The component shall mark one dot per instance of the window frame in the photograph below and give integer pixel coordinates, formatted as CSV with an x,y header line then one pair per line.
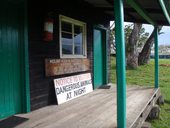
x,y
84,38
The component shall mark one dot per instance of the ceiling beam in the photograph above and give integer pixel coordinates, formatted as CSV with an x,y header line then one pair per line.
x,y
162,4
110,2
150,10
141,11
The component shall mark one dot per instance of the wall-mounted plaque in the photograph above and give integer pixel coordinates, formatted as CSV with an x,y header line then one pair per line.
x,y
66,66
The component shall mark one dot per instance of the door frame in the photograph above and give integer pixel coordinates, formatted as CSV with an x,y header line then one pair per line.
x,y
105,52
25,71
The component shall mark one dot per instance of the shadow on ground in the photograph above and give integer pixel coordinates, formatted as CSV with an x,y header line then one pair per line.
x,y
12,122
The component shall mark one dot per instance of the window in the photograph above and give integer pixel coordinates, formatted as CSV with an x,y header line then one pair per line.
x,y
72,38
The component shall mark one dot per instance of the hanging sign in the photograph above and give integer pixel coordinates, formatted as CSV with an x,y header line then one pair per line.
x,y
68,88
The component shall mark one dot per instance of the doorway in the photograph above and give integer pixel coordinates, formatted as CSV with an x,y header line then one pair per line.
x,y
12,58
100,56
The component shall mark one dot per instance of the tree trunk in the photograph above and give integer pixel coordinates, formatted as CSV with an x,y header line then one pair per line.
x,y
131,47
144,56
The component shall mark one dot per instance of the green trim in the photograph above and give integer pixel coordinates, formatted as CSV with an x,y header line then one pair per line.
x,y
105,34
156,58
106,47
105,53
27,88
162,4
99,27
140,10
120,64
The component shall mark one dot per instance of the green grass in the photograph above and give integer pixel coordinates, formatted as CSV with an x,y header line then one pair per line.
x,y
144,76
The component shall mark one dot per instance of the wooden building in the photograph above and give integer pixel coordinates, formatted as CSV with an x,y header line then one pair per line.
x,y
82,19
44,40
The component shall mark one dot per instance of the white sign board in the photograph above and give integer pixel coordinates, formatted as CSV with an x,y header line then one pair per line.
x,y
68,88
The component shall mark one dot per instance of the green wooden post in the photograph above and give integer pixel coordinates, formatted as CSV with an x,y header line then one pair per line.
x,y
156,58
120,64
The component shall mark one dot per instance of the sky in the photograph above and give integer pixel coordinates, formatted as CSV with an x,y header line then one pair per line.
x,y
163,39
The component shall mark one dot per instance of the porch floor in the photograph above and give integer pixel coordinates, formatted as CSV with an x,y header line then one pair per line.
x,y
93,110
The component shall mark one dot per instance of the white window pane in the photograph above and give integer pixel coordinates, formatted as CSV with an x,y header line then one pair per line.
x,y
78,29
78,40
65,26
67,43
67,49
78,44
73,37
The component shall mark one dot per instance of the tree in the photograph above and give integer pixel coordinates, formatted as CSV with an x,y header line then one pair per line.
x,y
131,46
135,37
144,55
112,37
143,37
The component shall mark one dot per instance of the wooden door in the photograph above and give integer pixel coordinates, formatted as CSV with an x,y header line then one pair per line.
x,y
99,41
10,58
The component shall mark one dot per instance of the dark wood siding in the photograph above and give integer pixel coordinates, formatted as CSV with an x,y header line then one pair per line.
x,y
42,87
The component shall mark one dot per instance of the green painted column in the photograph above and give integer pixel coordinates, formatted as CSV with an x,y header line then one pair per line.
x,y
120,64
156,58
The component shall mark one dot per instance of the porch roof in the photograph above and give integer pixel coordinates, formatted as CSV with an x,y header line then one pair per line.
x,y
155,12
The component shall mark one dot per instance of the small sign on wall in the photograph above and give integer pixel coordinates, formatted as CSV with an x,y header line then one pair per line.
x,y
66,66
69,88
